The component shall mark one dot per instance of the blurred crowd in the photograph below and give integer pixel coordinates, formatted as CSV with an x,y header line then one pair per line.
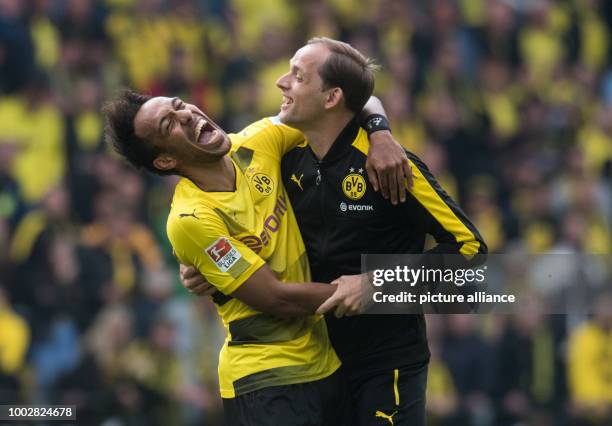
x,y
509,102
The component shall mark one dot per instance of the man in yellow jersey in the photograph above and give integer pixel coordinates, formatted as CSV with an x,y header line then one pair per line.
x,y
232,220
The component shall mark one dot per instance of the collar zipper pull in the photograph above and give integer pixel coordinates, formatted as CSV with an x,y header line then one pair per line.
x,y
318,178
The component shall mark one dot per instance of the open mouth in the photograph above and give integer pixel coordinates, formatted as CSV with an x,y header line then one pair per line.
x,y
286,101
205,133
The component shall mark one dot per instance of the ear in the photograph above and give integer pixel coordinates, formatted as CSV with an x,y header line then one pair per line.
x,y
164,162
334,97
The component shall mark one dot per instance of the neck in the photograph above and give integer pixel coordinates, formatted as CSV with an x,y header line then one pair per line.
x,y
214,176
322,135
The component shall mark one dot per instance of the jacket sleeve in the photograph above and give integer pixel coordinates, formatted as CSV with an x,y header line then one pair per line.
x,y
445,221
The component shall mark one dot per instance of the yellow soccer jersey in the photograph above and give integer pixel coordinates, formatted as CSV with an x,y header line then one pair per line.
x,y
228,236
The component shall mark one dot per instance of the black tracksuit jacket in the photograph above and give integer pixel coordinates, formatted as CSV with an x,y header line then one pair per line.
x,y
341,217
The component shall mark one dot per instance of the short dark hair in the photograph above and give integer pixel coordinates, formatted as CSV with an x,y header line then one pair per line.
x,y
349,70
120,134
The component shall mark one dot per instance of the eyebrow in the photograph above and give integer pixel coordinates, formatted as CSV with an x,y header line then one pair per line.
x,y
159,126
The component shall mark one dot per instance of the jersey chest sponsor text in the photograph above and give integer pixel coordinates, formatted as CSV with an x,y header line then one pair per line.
x,y
271,225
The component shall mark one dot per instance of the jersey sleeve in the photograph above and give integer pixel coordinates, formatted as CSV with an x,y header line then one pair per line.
x,y
205,243
270,136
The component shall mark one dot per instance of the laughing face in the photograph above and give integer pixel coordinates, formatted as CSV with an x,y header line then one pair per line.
x,y
182,132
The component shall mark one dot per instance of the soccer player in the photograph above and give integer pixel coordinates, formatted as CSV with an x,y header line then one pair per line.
x,y
232,220
341,217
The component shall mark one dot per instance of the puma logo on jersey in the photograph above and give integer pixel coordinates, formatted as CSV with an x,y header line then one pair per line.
x,y
298,181
386,416
188,214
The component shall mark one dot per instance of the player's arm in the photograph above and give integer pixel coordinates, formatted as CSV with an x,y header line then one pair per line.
x,y
236,271
264,292
387,164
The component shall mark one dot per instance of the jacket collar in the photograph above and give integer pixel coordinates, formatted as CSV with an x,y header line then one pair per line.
x,y
342,142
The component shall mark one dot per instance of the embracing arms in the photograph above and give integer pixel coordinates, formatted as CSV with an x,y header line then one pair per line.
x,y
264,292
387,164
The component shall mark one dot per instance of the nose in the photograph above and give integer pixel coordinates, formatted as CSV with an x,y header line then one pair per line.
x,y
184,115
282,82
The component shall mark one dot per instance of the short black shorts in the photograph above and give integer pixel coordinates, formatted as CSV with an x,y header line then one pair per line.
x,y
390,397
320,403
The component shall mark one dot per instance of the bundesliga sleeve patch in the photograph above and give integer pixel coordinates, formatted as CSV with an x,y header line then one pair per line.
x,y
223,254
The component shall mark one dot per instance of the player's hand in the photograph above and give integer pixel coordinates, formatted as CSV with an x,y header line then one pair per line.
x,y
194,282
388,166
348,297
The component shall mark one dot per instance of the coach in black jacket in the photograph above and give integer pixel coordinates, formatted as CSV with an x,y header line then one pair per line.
x,y
341,217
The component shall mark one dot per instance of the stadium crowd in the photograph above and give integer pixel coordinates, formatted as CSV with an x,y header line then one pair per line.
x,y
508,102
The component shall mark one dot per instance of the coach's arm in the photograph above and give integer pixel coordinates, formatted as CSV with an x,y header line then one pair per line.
x,y
387,164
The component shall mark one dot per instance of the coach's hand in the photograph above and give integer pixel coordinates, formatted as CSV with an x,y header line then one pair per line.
x,y
388,166
348,297
195,282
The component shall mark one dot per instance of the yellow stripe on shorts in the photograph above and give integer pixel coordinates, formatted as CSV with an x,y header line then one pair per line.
x,y
395,390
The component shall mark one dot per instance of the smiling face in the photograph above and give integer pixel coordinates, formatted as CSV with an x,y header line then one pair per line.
x,y
304,99
182,132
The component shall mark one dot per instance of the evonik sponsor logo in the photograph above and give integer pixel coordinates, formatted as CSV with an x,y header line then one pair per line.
x,y
344,207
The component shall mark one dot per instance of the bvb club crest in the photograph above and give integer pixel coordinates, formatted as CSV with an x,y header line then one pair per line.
x,y
263,183
354,185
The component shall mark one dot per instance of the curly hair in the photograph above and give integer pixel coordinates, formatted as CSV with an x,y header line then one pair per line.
x,y
120,134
